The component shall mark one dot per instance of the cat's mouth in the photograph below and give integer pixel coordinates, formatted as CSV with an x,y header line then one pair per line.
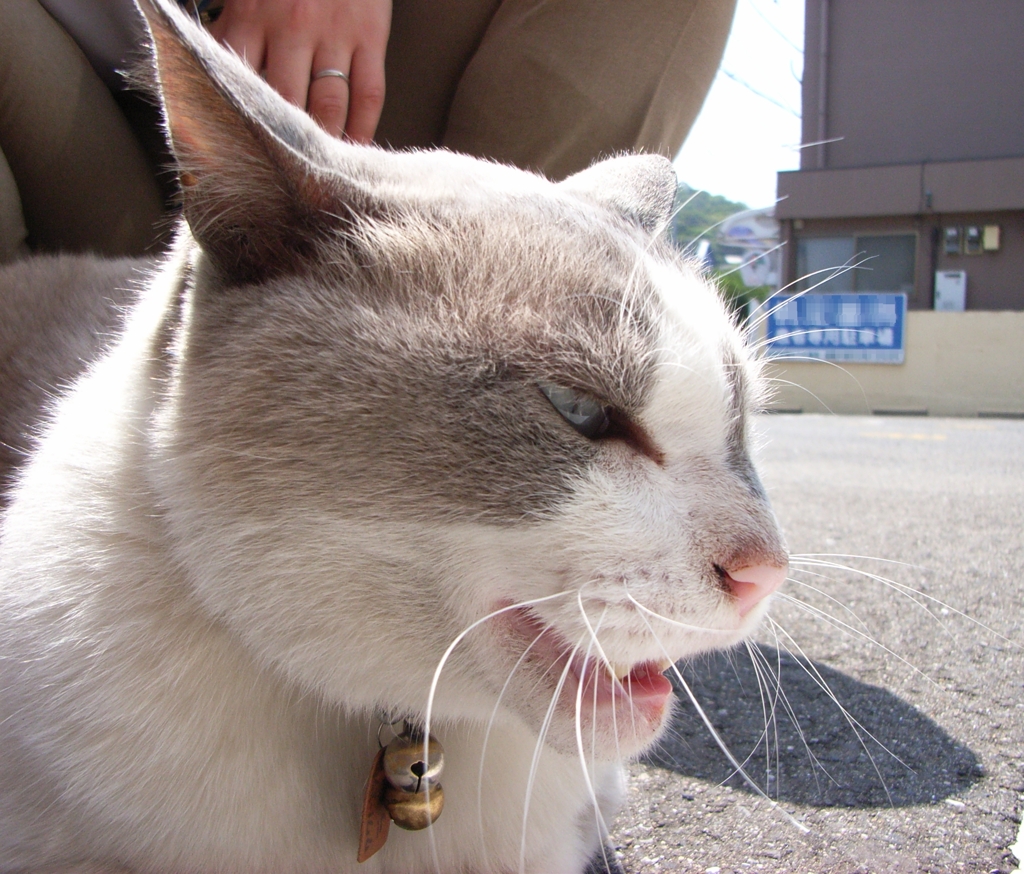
x,y
589,681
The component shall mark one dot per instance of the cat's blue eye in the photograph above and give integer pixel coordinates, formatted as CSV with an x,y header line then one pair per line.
x,y
584,412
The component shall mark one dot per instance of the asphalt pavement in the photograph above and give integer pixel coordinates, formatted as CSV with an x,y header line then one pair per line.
x,y
890,737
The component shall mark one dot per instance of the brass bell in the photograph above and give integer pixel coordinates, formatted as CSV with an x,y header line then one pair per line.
x,y
405,767
413,810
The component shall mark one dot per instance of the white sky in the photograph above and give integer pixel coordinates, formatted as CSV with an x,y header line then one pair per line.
x,y
740,139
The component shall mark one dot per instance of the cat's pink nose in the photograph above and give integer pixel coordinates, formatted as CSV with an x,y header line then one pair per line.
x,y
751,584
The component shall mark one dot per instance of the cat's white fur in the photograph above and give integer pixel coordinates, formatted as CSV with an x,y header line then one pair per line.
x,y
207,594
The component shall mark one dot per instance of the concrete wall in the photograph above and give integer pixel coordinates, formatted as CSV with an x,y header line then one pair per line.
x,y
902,189
957,364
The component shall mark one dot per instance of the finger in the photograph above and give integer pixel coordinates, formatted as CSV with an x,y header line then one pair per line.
x,y
287,69
329,97
244,39
366,99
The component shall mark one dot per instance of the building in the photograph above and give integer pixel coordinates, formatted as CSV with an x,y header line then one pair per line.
x,y
914,179
753,238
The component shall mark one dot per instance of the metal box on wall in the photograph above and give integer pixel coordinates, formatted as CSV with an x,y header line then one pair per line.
x,y
951,290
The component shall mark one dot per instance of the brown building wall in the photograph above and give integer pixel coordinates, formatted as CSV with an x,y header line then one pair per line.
x,y
926,101
903,189
995,280
921,297
911,81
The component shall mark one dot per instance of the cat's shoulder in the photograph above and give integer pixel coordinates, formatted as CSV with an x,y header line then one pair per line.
x,y
58,313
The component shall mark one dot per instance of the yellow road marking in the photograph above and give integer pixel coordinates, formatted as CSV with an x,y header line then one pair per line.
x,y
897,435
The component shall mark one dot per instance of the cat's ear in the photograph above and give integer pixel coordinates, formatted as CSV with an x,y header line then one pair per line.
x,y
640,187
256,190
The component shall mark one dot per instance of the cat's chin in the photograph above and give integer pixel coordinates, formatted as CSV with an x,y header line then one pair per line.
x,y
614,711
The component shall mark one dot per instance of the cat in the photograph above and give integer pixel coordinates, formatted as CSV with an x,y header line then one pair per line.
x,y
385,436
69,310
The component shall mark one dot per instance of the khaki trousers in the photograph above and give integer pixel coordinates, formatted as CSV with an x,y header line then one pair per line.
x,y
549,85
73,175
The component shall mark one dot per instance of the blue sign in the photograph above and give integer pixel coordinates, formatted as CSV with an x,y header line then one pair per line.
x,y
837,327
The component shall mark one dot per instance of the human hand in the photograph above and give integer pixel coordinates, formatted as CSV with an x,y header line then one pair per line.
x,y
289,41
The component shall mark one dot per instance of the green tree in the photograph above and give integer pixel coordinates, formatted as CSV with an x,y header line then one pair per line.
x,y
697,217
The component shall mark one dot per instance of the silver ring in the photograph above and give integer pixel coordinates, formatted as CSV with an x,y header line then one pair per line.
x,y
328,72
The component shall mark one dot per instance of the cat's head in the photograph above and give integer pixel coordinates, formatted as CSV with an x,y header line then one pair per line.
x,y
412,390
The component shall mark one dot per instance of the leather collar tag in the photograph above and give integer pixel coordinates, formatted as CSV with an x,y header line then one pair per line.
x,y
373,829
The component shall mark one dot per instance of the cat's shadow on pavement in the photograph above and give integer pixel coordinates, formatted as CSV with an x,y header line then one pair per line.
x,y
883,753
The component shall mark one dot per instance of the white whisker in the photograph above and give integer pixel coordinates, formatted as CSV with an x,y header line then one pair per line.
x,y
856,632
487,735
538,748
788,707
817,560
767,709
833,273
433,691
805,585
718,738
808,667
459,638
602,827
684,625
752,260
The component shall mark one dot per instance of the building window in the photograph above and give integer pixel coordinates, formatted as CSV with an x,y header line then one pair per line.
x,y
848,264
